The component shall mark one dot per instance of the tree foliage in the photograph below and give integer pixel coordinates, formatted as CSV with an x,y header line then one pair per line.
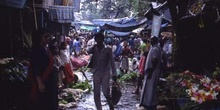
x,y
110,9
139,7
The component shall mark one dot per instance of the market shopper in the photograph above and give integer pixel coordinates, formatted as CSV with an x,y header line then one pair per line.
x,y
91,42
57,61
77,46
102,65
66,67
125,54
152,74
44,90
117,48
144,48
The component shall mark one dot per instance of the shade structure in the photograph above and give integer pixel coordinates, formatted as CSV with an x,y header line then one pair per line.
x,y
125,25
120,34
61,14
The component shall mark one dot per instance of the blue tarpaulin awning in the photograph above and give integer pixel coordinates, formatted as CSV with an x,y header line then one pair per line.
x,y
86,25
125,25
102,22
117,33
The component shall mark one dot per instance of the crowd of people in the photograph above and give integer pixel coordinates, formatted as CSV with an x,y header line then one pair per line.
x,y
52,65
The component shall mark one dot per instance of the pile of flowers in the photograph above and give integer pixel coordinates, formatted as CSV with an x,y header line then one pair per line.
x,y
5,60
199,88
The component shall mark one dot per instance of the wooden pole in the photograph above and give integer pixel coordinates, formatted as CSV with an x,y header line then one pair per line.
x,y
21,22
35,16
10,34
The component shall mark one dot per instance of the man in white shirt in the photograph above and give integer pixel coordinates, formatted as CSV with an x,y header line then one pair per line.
x,y
90,43
102,67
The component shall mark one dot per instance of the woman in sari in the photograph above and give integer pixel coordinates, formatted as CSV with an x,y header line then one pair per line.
x,y
44,89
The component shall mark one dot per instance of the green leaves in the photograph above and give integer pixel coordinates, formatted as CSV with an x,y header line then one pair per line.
x,y
216,73
82,85
128,77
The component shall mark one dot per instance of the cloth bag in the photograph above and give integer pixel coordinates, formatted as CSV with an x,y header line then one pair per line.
x,y
115,93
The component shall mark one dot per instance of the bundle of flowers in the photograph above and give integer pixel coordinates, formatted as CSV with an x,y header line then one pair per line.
x,y
5,60
199,88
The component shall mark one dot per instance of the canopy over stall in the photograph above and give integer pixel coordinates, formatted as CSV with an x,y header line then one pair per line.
x,y
122,26
101,22
125,25
61,14
85,25
117,33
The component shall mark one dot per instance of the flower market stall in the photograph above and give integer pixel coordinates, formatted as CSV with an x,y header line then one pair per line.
x,y
192,91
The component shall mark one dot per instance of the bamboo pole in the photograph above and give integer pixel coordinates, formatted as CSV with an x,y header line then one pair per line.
x,y
21,22
35,16
10,34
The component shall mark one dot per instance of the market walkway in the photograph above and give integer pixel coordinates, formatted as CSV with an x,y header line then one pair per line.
x,y
128,100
